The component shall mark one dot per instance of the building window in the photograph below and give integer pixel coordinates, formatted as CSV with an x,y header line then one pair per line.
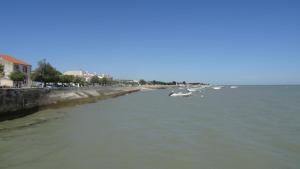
x,y
16,67
25,69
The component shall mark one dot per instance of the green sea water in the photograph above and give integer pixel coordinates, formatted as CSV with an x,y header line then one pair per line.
x,y
251,127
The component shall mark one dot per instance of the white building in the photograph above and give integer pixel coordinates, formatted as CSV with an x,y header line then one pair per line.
x,y
85,74
101,76
80,73
74,73
12,64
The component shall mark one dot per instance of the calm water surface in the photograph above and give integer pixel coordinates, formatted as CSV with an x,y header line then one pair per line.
x,y
251,127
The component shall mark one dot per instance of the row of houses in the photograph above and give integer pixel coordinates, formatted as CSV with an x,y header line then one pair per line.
x,y
12,64
87,75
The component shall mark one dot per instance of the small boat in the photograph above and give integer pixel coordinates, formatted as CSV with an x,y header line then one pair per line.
x,y
173,94
191,89
195,89
217,87
233,87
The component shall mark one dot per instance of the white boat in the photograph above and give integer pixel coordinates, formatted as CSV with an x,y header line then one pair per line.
x,y
194,89
217,87
191,89
173,94
233,87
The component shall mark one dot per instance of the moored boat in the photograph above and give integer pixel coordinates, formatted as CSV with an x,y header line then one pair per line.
x,y
217,87
173,94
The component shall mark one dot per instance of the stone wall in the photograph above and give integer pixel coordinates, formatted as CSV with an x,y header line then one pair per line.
x,y
19,102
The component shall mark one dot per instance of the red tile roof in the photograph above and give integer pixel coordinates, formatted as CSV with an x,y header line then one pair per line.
x,y
13,60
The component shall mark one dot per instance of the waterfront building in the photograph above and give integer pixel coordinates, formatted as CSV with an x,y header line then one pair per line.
x,y
75,73
86,75
12,64
108,77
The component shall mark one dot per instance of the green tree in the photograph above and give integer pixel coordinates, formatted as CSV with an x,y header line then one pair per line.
x,y
1,70
79,80
66,79
45,73
104,81
154,82
142,82
94,80
18,77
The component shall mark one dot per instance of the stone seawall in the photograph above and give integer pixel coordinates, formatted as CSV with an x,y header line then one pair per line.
x,y
19,102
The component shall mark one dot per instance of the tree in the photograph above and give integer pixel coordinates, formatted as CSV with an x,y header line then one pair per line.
x,y
66,79
95,79
184,82
79,80
1,70
45,73
18,77
142,82
104,81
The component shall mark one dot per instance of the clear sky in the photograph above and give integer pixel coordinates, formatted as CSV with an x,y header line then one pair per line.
x,y
220,42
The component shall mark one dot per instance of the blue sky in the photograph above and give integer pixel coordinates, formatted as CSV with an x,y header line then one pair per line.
x,y
220,42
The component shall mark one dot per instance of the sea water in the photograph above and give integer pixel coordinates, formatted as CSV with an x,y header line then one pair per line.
x,y
249,127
